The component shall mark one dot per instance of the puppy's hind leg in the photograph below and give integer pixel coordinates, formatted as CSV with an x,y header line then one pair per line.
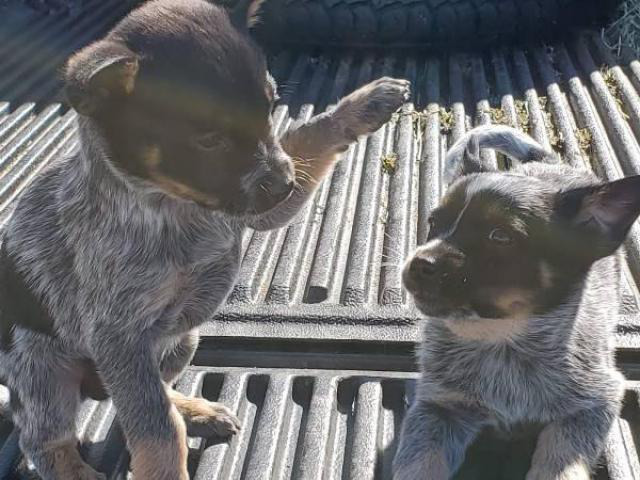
x,y
202,417
44,403
434,439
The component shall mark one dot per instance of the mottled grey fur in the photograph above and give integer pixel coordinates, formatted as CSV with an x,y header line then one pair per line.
x,y
128,273
559,370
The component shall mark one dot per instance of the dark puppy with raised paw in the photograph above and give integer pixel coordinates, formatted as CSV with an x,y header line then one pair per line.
x,y
115,256
521,282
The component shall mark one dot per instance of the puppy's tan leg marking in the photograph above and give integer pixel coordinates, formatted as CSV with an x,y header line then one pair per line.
x,y
161,459
69,465
553,459
433,466
204,418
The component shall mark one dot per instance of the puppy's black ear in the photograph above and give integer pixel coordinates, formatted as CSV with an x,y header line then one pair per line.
x,y
99,73
464,156
604,213
246,13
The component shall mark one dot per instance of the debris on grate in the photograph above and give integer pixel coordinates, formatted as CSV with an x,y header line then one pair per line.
x,y
612,84
389,163
447,120
498,117
419,123
556,137
522,110
585,140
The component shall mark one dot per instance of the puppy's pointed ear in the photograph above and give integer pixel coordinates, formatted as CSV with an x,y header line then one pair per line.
x,y
246,13
99,73
464,156
605,212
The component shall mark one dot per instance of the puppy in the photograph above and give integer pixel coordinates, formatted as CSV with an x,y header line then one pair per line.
x,y
115,256
520,279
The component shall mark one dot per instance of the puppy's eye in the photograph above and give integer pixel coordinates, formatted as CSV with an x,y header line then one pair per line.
x,y
211,141
500,236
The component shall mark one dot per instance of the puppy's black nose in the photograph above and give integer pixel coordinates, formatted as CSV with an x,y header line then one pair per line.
x,y
273,191
282,191
435,262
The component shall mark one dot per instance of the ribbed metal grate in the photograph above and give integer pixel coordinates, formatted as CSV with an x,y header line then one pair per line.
x,y
347,247
326,425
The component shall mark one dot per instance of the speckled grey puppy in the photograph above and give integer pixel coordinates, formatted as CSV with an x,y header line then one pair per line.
x,y
520,280
115,256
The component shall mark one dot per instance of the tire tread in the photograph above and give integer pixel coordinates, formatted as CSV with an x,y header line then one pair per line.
x,y
424,22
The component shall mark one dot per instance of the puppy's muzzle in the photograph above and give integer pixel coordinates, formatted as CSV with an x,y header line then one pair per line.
x,y
274,189
432,266
273,180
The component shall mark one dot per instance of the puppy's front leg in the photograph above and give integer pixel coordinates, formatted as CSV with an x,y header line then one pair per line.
x,y
362,112
567,449
154,430
434,439
314,146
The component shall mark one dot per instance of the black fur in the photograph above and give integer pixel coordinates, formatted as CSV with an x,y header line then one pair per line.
x,y
20,306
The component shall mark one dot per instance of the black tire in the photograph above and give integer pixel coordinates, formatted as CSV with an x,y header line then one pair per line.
x,y
469,23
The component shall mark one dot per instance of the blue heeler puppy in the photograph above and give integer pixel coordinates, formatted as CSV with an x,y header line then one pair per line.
x,y
520,279
114,257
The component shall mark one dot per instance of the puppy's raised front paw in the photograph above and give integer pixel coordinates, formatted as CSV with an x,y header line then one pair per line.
x,y
206,419
370,107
